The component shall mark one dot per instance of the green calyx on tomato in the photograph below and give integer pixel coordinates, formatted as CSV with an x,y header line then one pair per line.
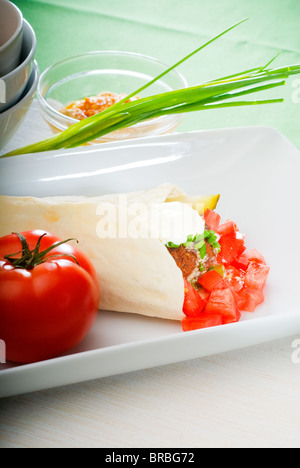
x,y
32,258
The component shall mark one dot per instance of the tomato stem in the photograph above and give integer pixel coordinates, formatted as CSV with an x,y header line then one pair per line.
x,y
32,258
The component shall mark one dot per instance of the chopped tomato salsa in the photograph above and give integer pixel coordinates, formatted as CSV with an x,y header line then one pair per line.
x,y
194,304
211,280
235,285
202,321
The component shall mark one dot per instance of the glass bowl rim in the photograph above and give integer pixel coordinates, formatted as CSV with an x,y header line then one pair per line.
x,y
69,120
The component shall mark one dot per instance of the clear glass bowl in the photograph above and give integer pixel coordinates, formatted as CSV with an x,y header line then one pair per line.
x,y
96,72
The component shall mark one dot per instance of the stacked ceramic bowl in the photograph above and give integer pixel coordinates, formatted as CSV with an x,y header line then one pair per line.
x,y
19,73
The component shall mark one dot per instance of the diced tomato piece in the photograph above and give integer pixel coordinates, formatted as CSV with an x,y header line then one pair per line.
x,y
227,229
203,321
203,294
231,249
251,256
256,275
233,272
193,302
223,301
210,280
231,319
241,262
235,278
248,299
255,256
212,219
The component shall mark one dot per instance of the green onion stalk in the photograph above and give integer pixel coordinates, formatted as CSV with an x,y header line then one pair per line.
x,y
216,94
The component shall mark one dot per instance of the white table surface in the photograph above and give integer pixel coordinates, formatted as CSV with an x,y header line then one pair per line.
x,y
243,398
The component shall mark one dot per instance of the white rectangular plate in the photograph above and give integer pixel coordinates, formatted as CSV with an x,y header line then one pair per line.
x,y
255,169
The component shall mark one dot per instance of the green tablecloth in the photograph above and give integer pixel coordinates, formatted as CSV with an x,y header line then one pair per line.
x,y
168,30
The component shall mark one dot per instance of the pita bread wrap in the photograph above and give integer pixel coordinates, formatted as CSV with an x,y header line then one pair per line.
x,y
136,272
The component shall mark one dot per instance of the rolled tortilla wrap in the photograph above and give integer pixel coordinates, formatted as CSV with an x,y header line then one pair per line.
x,y
136,272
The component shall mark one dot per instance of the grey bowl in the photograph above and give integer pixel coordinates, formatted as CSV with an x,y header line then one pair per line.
x,y
11,33
14,83
11,119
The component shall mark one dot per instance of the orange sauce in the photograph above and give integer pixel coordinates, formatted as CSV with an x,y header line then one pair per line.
x,y
90,106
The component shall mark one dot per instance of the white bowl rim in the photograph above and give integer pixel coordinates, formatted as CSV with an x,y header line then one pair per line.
x,y
100,52
19,28
29,56
33,87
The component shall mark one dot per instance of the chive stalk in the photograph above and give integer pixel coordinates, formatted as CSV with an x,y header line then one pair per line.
x,y
216,94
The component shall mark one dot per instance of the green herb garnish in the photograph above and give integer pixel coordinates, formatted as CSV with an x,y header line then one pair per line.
x,y
211,237
171,245
198,242
203,251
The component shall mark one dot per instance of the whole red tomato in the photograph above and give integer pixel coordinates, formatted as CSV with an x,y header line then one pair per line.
x,y
49,296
